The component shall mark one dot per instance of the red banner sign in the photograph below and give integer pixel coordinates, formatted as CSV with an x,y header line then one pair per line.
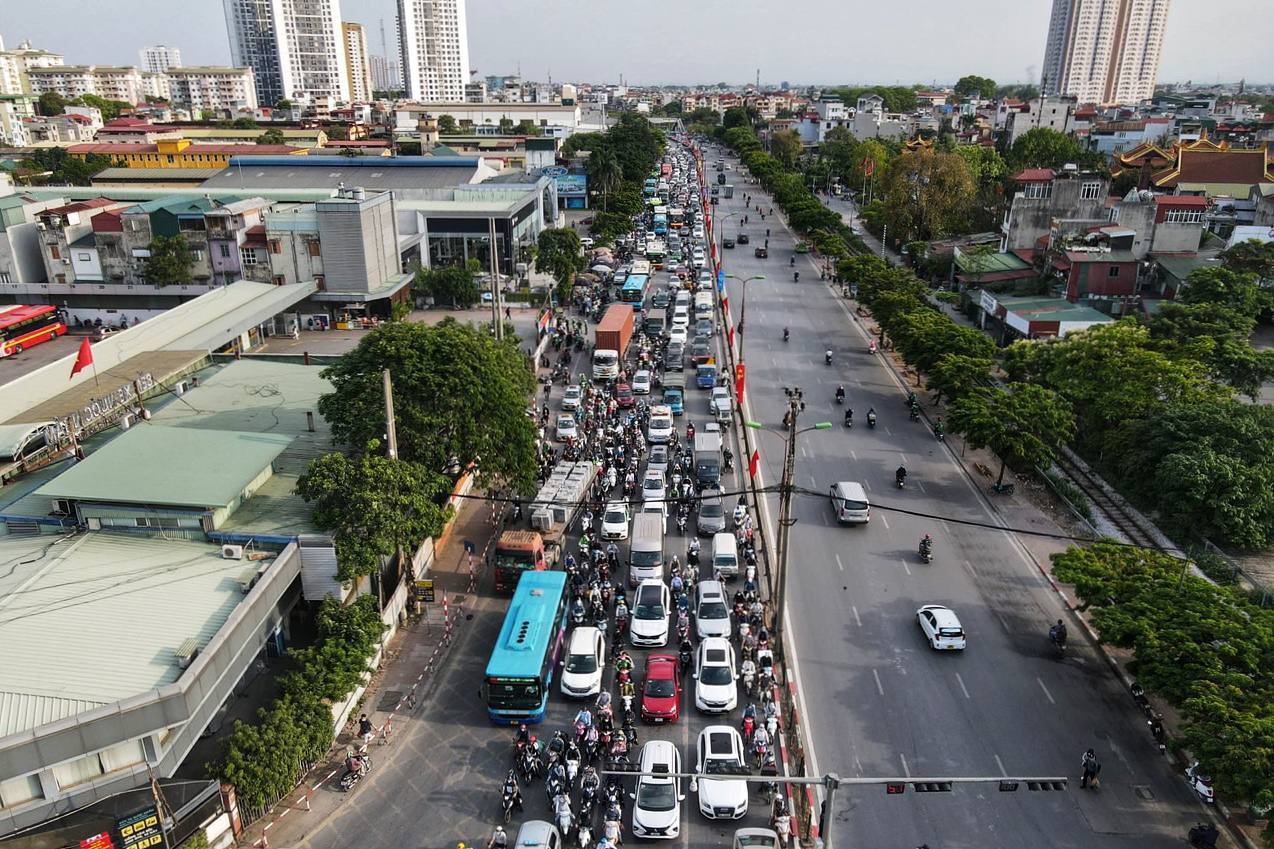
x,y
740,374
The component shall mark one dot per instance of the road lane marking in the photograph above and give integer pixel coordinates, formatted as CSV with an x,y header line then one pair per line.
x,y
920,486
857,621
1045,689
902,457
1004,772
963,688
841,565
905,567
969,568
906,770
1119,754
812,481
853,456
804,453
858,765
885,521
1003,624
866,484
880,688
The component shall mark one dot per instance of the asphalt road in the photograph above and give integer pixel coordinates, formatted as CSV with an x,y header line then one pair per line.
x,y
878,701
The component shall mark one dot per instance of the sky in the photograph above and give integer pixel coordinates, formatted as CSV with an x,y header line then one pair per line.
x,y
666,42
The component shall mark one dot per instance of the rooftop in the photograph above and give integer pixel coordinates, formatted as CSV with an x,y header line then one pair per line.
x,y
376,173
152,464
1034,175
972,263
82,589
1051,309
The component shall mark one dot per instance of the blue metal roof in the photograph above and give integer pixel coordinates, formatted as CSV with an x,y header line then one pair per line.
x,y
374,162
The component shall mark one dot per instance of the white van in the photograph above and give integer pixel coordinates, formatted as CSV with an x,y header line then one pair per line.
x,y
849,503
682,299
646,553
725,555
703,305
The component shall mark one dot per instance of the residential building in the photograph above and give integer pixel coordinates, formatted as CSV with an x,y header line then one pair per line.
x,y
475,91
1045,196
552,119
159,58
1262,197
62,129
66,241
179,153
218,90
357,61
16,63
1161,224
1052,113
1115,136
155,86
434,46
387,74
14,110
1104,51
71,81
294,47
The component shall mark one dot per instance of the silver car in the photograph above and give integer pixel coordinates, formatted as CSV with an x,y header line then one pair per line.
x,y
711,518
657,459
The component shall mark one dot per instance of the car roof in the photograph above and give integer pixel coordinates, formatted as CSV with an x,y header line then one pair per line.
x,y
535,833
722,740
710,588
943,615
584,634
715,643
661,752
661,662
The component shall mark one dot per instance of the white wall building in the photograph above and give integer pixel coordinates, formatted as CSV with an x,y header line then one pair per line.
x,y
15,63
1104,51
357,61
216,89
434,49
159,58
1052,113
113,83
295,48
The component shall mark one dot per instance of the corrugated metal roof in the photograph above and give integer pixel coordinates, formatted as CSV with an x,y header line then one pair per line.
x,y
158,465
99,618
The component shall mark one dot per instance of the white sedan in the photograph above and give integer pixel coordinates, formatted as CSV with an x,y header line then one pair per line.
x,y
653,487
615,521
641,383
651,606
678,333
572,397
941,627
566,428
715,687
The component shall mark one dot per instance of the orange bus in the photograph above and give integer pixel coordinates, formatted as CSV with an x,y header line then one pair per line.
x,y
24,326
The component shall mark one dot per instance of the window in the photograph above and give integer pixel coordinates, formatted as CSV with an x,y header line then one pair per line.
x,y
1184,216
314,247
275,247
1090,191
54,252
19,791
1038,190
224,250
1113,271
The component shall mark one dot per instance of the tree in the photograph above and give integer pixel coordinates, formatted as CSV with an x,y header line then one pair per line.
x,y
452,284
271,136
337,132
1018,92
736,116
373,506
506,125
447,125
560,255
1234,289
54,166
1251,257
1041,147
785,146
459,397
110,109
971,85
282,103
928,195
170,261
51,103
955,375
1024,425
527,127
246,123
704,115
1216,335
604,173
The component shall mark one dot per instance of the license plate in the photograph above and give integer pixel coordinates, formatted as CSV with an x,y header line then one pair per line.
x,y
657,719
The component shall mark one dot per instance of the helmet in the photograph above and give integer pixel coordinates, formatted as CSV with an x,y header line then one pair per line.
x,y
499,828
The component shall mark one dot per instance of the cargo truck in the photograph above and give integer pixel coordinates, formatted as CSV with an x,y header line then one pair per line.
x,y
517,552
611,341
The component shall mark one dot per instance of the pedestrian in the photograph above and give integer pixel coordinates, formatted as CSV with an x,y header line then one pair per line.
x,y
1087,762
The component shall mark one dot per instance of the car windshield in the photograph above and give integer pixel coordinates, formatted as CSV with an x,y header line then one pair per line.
x,y
659,454
582,664
658,688
652,484
950,632
656,796
712,610
716,676
649,606
712,509
566,422
615,517
723,766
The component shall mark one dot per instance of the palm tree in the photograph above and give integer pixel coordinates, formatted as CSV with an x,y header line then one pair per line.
x,y
604,172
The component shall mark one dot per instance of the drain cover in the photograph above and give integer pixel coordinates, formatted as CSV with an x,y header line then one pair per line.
x,y
1144,792
389,700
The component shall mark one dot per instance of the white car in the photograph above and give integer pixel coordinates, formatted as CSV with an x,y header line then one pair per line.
x,y
679,333
571,399
716,690
941,627
615,521
698,257
566,428
659,429
657,459
653,487
720,752
641,383
585,660
712,614
720,399
657,805
652,603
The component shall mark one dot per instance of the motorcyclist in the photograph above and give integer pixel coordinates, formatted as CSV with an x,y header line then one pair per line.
x,y
900,476
827,356
746,669
871,416
499,840
524,736
926,545
786,334
623,663
511,789
796,277
562,808
840,393
939,428
849,416
684,654
1057,633
584,717
791,261
355,763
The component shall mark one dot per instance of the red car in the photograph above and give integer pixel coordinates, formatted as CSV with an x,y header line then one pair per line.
x,y
624,395
661,694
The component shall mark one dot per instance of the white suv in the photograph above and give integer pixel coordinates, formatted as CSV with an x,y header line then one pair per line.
x,y
657,809
716,690
941,627
720,752
660,428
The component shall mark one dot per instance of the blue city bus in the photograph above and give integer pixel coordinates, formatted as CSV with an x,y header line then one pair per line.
x,y
650,187
634,290
516,686
661,225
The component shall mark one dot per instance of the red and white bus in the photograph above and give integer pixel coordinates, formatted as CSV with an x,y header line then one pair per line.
x,y
24,326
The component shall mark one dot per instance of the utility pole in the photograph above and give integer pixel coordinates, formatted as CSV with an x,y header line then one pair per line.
x,y
391,431
497,321
794,404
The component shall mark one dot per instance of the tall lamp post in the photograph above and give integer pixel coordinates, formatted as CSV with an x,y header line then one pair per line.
x,y
795,405
743,305
719,222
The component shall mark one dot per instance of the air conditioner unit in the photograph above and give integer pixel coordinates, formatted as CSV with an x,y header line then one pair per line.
x,y
232,552
126,422
186,652
179,388
61,507
41,226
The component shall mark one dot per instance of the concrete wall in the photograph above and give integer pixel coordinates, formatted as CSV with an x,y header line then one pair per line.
x,y
1176,238
360,242
20,255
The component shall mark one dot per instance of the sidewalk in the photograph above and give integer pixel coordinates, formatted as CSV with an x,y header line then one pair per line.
x,y
406,679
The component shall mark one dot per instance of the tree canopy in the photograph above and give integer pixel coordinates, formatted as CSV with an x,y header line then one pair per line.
x,y
972,84
928,195
54,166
459,396
1041,147
170,261
1024,425
449,284
560,254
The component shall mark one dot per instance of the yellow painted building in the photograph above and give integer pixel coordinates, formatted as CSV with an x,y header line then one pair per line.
x,y
179,153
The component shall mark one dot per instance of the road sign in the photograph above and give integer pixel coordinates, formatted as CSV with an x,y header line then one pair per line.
x,y
425,590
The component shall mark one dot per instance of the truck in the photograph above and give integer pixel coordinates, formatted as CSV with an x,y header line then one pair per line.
x,y
706,374
675,391
611,341
707,454
517,552
656,323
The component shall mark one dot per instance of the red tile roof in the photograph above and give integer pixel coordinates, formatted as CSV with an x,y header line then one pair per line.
x,y
1181,200
108,222
1035,175
80,206
1206,162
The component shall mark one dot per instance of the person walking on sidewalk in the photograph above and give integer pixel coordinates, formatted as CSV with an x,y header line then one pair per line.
x,y
365,730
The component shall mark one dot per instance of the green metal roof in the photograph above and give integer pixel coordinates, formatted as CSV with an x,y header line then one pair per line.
x,y
1051,309
990,263
170,466
1181,266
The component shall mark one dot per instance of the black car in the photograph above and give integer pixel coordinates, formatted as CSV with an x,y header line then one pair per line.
x,y
729,243
761,253
743,238
701,353
661,300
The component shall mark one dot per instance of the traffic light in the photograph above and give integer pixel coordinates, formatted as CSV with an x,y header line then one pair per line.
x,y
895,788
933,786
1046,785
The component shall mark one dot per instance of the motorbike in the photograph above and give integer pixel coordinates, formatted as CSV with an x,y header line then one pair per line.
x,y
787,334
840,396
939,434
1204,836
682,519
585,835
849,418
827,358
871,420
1155,721
911,399
1201,784
900,480
926,550
914,413
1139,696
356,766
578,613
871,347
749,683
1058,641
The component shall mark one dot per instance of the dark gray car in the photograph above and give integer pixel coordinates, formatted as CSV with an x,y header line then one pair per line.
x,y
711,519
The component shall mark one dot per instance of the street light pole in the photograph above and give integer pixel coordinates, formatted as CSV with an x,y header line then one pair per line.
x,y
743,306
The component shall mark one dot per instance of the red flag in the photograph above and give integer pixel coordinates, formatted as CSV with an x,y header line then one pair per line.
x,y
754,462
83,359
740,376
729,333
869,167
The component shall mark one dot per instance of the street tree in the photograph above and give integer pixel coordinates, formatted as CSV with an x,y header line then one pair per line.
x,y
338,132
1041,147
459,397
955,375
1024,425
271,136
1216,335
373,506
449,284
970,85
1237,290
52,103
1251,257
928,195
447,125
785,146
924,335
560,254
605,173
170,261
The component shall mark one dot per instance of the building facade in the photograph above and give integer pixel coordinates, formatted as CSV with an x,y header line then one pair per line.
x,y
294,47
387,74
357,61
113,83
1104,51
214,89
434,48
15,63
159,58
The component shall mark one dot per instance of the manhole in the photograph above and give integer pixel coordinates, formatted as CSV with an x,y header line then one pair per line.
x,y
1144,792
389,700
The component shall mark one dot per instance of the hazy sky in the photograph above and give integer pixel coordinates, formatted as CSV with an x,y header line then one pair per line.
x,y
658,41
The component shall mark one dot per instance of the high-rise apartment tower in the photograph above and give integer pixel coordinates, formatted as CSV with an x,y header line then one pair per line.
x,y
296,48
1104,51
435,49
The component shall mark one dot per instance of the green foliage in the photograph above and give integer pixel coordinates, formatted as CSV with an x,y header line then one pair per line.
x,y
605,174
928,195
447,125
785,146
110,109
64,169
1238,290
459,395
1072,493
897,98
450,284
271,136
337,132
283,103
608,225
1041,147
170,261
246,123
955,375
1205,648
972,84
704,115
527,127
336,664
1024,425
559,254
1217,336
51,103
1251,257
737,116
1019,92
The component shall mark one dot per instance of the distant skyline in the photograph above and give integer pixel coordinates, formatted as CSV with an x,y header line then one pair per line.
x,y
662,43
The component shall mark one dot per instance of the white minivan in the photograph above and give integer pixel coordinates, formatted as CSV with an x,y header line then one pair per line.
x,y
849,503
725,555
